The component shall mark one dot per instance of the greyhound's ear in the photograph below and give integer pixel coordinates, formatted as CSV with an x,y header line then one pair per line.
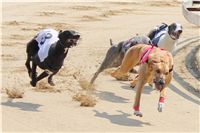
x,y
61,36
171,26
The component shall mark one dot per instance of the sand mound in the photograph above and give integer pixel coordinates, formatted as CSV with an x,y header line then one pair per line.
x,y
84,8
49,13
13,23
15,93
45,87
111,13
88,18
163,3
86,99
8,57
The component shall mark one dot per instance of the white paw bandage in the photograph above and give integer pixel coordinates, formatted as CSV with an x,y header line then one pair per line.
x,y
160,106
138,113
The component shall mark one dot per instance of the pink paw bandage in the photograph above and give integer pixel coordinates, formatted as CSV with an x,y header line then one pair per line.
x,y
162,100
136,108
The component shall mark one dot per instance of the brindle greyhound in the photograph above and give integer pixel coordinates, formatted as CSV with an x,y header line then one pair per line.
x,y
57,46
116,52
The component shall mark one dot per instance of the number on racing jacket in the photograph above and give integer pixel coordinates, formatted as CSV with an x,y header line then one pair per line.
x,y
47,36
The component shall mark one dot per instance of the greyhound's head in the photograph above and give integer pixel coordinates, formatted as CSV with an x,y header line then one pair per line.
x,y
161,67
175,30
68,38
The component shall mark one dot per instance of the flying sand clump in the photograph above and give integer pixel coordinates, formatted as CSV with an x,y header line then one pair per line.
x,y
84,96
45,87
86,99
85,85
15,93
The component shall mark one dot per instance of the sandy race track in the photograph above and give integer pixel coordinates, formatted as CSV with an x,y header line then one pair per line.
x,y
54,109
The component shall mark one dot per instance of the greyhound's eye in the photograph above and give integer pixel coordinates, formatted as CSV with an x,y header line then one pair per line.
x,y
166,73
154,61
158,71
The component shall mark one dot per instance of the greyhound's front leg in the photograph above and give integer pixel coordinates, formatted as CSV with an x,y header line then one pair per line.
x,y
42,75
136,106
34,75
50,78
163,92
161,102
28,66
142,79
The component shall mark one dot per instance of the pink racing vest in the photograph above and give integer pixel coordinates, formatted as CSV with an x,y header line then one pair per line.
x,y
145,54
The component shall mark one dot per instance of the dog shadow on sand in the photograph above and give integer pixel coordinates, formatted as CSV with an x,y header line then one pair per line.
x,y
111,97
121,119
22,105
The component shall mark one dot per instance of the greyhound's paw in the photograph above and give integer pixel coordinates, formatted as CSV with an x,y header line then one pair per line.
x,y
133,83
51,83
160,106
138,113
33,83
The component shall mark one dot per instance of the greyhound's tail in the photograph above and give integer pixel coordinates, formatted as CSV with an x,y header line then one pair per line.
x,y
111,42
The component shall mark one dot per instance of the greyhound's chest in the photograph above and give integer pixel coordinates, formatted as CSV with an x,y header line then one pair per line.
x,y
167,43
55,58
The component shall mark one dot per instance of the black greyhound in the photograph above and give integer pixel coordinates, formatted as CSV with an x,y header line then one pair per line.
x,y
56,54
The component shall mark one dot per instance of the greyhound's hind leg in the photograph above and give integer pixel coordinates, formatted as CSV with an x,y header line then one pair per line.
x,y
111,60
42,75
94,77
107,63
50,79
